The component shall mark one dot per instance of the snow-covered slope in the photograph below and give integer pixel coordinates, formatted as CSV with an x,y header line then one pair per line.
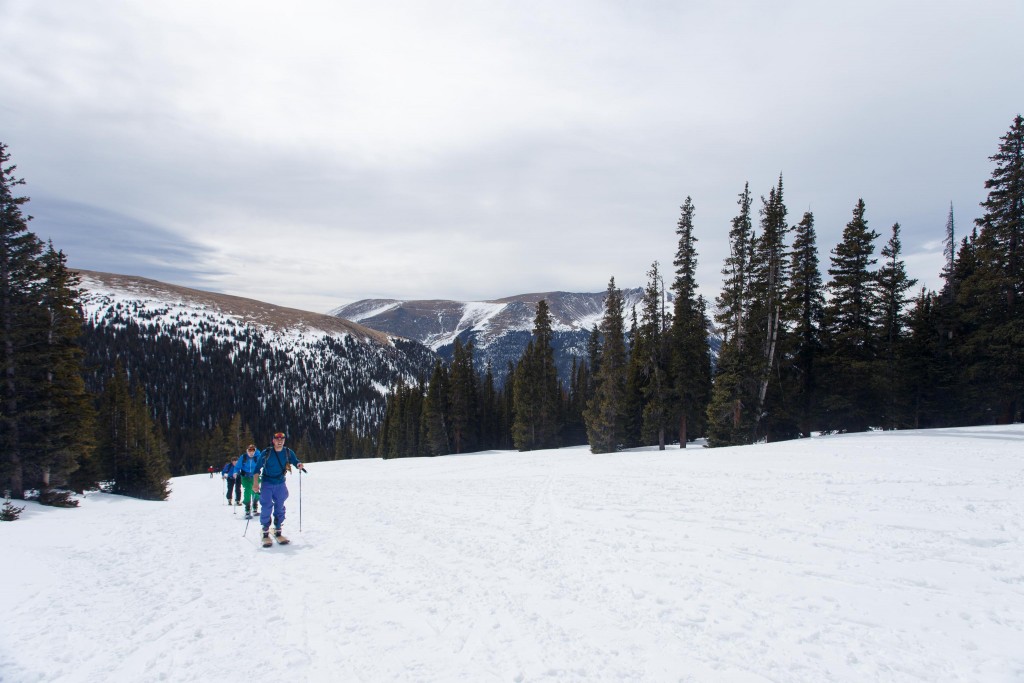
x,y
889,556
499,329
208,313
221,353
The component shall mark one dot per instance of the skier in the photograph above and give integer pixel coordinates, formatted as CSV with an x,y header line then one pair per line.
x,y
245,470
211,471
227,473
274,463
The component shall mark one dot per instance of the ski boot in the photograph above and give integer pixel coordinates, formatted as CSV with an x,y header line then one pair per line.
x,y
266,538
279,537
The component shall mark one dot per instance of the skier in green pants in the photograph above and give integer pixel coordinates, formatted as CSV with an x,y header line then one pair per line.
x,y
247,467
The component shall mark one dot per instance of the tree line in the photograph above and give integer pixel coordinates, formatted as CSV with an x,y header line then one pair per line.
x,y
799,353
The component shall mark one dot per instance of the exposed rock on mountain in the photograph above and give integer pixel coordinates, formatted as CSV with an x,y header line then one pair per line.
x,y
499,329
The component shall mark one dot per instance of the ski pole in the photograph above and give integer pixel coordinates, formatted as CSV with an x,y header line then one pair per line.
x,y
246,526
300,501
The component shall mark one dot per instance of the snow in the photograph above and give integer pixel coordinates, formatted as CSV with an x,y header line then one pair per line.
x,y
476,315
889,556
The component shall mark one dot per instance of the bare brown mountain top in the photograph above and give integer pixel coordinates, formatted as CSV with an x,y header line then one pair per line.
x,y
247,310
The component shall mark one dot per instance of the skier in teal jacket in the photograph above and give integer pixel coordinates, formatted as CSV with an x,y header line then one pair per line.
x,y
246,470
275,462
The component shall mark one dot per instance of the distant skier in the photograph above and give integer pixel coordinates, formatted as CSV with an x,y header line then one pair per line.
x,y
245,470
227,473
274,463
211,471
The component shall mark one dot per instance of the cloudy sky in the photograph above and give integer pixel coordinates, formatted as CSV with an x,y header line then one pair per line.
x,y
316,152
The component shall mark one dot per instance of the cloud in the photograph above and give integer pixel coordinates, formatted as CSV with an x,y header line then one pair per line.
x,y
479,149
98,239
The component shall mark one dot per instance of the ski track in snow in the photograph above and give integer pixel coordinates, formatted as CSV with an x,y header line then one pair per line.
x,y
875,557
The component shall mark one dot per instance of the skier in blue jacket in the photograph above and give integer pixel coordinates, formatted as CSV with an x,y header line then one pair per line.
x,y
246,471
274,463
227,473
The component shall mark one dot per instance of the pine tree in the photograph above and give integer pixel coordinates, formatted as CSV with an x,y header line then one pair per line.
x,y
604,412
650,355
922,364
991,296
462,400
689,353
436,429
766,328
19,255
490,412
633,404
893,283
949,258
536,390
734,393
851,349
574,432
64,435
132,454
806,303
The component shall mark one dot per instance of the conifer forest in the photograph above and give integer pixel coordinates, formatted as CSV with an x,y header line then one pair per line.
x,y
814,338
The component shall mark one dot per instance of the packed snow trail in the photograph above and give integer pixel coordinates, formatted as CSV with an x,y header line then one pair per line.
x,y
891,556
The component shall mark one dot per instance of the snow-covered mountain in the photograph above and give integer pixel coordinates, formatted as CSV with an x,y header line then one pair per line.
x,y
500,329
202,356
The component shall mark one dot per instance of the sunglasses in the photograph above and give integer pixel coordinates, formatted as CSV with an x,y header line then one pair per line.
x,y
279,435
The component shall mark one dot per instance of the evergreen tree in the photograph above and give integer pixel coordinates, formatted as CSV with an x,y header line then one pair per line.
x,y
490,412
132,454
604,413
536,390
574,432
46,420
806,303
766,328
436,428
507,407
20,327
922,364
633,404
851,356
594,354
991,296
689,354
734,393
462,401
893,283
61,452
650,356
238,436
949,254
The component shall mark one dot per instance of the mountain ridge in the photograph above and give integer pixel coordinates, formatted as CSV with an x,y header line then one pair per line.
x,y
500,329
246,309
202,357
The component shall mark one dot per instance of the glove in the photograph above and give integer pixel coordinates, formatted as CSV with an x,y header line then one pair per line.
x,y
302,468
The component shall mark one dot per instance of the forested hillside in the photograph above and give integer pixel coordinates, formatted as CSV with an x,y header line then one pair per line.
x,y
214,378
